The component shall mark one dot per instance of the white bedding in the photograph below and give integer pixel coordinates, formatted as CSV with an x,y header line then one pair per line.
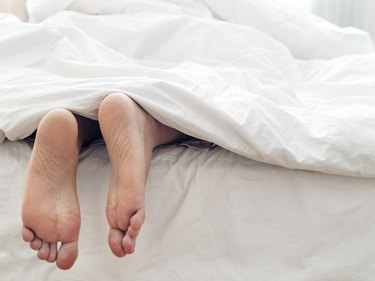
x,y
257,79
227,83
212,215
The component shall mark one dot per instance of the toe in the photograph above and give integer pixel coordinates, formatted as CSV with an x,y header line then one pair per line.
x,y
52,252
36,243
138,219
128,244
132,233
67,255
115,237
43,252
123,216
136,222
27,234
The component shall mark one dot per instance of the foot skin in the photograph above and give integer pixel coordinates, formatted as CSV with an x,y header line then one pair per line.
x,y
50,210
130,134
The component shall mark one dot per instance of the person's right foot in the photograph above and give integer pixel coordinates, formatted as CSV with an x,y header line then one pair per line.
x,y
50,209
130,134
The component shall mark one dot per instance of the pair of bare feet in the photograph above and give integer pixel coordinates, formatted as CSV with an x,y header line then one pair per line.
x,y
50,209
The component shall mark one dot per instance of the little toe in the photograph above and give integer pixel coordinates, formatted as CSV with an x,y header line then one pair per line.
x,y
27,234
36,243
67,255
52,252
43,252
115,237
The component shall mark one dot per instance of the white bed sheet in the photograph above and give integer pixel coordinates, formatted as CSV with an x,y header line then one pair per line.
x,y
211,215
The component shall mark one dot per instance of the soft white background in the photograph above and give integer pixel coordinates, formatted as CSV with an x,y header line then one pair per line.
x,y
301,4
359,13
17,6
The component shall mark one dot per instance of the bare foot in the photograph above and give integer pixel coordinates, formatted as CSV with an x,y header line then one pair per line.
x,y
130,134
50,210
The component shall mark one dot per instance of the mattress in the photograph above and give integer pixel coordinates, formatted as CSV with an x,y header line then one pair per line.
x,y
211,215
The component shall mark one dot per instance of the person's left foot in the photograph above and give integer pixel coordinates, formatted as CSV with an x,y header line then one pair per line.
x,y
130,134
50,210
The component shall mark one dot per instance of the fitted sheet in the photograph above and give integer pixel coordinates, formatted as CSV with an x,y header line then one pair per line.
x,y
210,215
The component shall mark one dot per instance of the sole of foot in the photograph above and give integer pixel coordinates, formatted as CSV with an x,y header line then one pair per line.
x,y
130,134
50,208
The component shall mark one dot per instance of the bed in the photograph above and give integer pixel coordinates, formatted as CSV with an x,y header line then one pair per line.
x,y
287,191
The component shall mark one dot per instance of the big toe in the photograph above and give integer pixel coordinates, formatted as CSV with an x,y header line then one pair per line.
x,y
67,255
115,237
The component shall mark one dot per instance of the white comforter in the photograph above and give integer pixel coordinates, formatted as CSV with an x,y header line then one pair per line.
x,y
285,90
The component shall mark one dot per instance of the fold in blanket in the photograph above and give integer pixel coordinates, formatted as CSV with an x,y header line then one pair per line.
x,y
230,84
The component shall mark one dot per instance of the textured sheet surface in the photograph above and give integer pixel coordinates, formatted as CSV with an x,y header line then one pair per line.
x,y
211,215
226,82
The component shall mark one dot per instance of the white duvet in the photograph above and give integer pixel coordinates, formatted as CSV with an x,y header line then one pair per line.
x,y
253,77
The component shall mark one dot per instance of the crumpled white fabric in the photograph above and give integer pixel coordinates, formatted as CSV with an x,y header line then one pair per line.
x,y
307,36
223,82
39,10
